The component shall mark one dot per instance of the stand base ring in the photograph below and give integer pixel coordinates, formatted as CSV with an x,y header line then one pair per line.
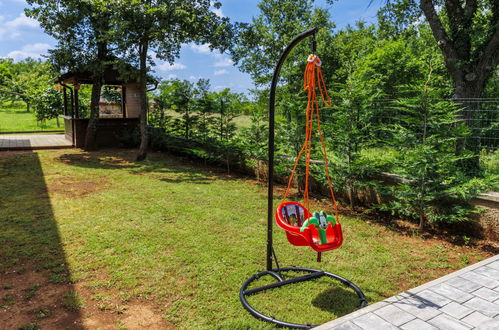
x,y
312,274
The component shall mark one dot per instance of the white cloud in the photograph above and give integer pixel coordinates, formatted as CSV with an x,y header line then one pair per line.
x,y
224,62
195,77
200,49
218,12
220,87
220,72
172,67
12,29
22,21
171,76
31,50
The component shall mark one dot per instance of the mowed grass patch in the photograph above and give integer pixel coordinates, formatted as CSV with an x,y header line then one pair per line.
x,y
15,118
186,238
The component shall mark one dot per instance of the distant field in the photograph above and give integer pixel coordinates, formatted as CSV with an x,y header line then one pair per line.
x,y
14,118
240,121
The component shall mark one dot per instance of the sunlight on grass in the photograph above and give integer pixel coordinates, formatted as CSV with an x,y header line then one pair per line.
x,y
14,118
187,238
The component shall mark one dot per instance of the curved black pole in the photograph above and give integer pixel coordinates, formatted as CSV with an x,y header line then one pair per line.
x,y
273,86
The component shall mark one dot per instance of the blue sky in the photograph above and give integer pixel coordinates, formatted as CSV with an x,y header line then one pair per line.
x,y
21,37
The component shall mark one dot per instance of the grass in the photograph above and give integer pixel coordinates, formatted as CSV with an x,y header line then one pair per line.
x,y
185,239
14,118
71,301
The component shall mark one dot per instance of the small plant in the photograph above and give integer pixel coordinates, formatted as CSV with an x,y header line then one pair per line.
x,y
31,326
120,325
57,278
71,301
103,306
119,309
41,313
465,260
31,291
8,300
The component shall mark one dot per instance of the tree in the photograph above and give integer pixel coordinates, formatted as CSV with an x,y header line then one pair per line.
x,y
467,33
28,78
228,106
390,65
163,26
259,44
425,134
182,99
48,104
5,74
82,30
204,103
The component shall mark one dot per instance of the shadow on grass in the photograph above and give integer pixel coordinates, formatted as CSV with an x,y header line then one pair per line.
x,y
337,300
35,278
169,168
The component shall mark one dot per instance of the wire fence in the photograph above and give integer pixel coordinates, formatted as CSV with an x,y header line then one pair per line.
x,y
480,115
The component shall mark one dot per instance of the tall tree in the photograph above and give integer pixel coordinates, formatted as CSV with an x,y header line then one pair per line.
x,y
467,33
81,28
260,43
162,26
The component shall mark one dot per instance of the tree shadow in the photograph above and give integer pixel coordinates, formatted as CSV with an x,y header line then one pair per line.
x,y
169,169
35,280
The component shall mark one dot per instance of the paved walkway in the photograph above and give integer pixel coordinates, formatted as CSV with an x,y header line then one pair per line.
x,y
33,141
466,299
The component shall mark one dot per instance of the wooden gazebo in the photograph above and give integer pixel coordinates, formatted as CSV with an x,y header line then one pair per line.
x,y
115,119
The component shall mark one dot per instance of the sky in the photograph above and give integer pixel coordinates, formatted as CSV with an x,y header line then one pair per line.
x,y
22,37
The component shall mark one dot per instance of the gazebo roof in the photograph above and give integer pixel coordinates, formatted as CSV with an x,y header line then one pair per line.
x,y
112,75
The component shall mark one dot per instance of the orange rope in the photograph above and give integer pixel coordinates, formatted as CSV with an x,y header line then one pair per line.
x,y
310,79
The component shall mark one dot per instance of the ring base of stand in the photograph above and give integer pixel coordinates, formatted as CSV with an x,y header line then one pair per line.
x,y
312,274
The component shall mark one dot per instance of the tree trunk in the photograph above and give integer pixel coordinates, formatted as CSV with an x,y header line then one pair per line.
x,y
144,138
465,95
97,82
468,68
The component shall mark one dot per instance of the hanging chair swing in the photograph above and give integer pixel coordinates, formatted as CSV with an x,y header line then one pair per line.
x,y
318,230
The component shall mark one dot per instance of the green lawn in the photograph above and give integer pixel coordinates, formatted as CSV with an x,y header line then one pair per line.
x,y
184,239
14,118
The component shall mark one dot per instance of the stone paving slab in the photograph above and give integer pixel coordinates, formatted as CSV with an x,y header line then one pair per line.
x,y
33,141
465,299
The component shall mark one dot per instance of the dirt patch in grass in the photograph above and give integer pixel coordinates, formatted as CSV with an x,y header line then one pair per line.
x,y
28,298
34,301
75,188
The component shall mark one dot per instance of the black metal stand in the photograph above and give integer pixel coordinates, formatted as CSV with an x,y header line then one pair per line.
x,y
277,272
312,274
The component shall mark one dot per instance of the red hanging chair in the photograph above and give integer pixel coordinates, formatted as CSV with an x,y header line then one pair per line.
x,y
291,216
